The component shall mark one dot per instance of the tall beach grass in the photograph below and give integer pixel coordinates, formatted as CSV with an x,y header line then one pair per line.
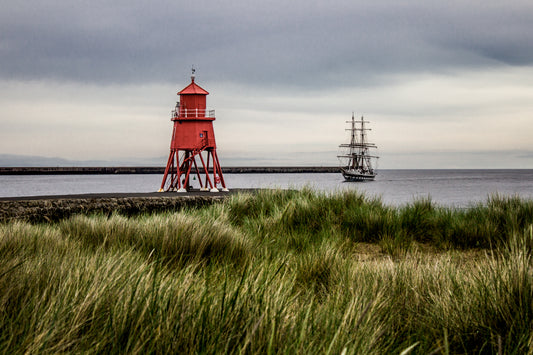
x,y
273,272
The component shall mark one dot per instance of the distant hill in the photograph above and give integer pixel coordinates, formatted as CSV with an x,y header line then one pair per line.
x,y
36,161
326,158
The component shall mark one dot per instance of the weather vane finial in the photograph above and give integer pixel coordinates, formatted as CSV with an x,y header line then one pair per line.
x,y
193,70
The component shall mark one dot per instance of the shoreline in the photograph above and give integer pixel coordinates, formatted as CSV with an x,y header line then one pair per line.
x,y
36,209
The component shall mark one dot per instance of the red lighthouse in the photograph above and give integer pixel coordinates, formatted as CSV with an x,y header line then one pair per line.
x,y
193,148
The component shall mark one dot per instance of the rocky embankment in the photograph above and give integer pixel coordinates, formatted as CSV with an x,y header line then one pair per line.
x,y
47,209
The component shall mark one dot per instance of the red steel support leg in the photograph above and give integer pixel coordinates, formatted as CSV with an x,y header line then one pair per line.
x,y
217,163
169,167
184,169
175,170
176,184
172,172
187,176
214,172
197,172
175,173
206,170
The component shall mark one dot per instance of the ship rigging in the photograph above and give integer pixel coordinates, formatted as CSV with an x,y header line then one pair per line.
x,y
357,163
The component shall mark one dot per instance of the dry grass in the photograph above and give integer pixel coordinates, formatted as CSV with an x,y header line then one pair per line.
x,y
278,272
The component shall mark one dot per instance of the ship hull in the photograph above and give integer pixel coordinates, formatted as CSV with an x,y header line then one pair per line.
x,y
354,175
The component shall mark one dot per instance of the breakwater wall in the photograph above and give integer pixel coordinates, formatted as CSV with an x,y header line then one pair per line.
x,y
160,170
54,208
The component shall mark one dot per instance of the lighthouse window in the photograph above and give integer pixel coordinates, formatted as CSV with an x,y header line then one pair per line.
x,y
201,135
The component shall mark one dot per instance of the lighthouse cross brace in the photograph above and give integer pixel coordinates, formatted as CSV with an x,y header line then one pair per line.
x,y
193,137
174,175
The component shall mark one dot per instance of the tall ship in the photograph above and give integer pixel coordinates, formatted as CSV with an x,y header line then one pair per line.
x,y
357,163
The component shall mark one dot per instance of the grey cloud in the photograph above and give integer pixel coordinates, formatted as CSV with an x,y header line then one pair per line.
x,y
273,43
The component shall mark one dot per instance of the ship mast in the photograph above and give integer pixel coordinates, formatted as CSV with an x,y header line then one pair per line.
x,y
353,141
365,158
358,153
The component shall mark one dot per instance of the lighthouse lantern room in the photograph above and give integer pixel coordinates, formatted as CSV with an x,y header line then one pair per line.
x,y
193,150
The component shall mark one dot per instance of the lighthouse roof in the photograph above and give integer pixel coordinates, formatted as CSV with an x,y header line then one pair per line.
x,y
192,89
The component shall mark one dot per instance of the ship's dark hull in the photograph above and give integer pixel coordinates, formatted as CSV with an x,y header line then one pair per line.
x,y
354,175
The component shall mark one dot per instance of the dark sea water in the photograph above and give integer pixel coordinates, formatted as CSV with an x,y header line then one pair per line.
x,y
458,188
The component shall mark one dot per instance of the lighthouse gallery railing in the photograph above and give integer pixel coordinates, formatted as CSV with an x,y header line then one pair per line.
x,y
194,112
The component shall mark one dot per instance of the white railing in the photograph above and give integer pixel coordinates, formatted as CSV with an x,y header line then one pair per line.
x,y
193,113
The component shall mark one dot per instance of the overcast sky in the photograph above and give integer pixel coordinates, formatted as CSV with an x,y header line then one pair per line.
x,y
445,84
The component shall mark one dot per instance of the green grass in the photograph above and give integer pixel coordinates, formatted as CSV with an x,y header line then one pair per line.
x,y
276,272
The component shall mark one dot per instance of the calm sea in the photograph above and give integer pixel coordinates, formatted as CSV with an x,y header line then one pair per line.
x,y
458,188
